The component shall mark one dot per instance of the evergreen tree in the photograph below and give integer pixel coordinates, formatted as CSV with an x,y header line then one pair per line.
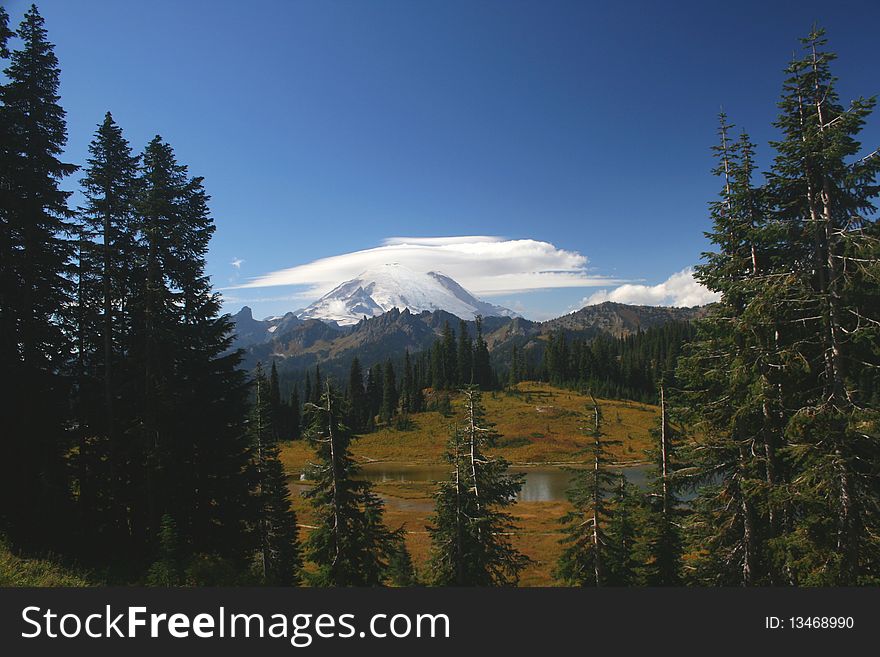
x,y
662,542
319,386
823,194
407,393
275,405
105,278
401,571
622,533
375,390
793,498
389,393
5,34
450,357
513,373
294,419
359,410
438,366
734,347
482,373
351,546
465,357
584,561
279,544
36,293
190,442
167,570
469,544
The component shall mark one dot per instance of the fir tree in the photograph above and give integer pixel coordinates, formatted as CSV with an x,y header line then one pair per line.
x,y
823,193
294,420
5,34
190,441
408,397
359,410
622,534
513,373
438,366
401,571
482,373
319,386
351,546
450,357
792,499
584,561
167,570
734,347
469,544
662,542
275,405
389,393
106,279
279,544
465,357
36,293
375,390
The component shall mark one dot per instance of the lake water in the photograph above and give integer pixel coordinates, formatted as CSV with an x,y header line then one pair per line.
x,y
542,483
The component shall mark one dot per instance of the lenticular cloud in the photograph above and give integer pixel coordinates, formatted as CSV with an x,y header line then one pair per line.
x,y
484,265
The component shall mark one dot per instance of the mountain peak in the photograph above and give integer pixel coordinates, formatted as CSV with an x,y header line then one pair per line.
x,y
392,285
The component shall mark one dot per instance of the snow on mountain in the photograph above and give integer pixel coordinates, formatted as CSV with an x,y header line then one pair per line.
x,y
380,289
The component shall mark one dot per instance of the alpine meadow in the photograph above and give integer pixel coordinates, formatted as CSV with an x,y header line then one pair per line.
x,y
397,429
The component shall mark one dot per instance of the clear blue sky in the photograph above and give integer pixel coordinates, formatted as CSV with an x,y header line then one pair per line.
x,y
326,127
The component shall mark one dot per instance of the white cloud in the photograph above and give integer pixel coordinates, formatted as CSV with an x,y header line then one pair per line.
x,y
680,289
237,263
484,265
440,241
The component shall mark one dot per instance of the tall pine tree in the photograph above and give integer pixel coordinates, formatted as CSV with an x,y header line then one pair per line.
x,y
469,528
389,393
193,448
36,292
280,559
586,555
358,407
661,540
823,192
350,546
107,276
733,457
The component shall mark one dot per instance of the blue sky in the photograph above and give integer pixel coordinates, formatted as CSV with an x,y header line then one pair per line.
x,y
324,128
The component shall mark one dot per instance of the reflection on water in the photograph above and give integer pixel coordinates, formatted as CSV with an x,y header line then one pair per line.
x,y
542,483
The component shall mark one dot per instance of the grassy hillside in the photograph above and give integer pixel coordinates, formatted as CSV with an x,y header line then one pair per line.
x,y
539,425
17,571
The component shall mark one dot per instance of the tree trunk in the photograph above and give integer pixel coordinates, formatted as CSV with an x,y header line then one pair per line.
x,y
597,494
664,455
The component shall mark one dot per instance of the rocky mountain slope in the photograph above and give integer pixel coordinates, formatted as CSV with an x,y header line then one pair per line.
x,y
297,344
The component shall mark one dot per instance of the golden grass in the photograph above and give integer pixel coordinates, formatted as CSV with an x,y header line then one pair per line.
x,y
540,424
537,534
16,571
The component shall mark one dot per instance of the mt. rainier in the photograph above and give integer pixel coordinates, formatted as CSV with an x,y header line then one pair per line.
x,y
380,289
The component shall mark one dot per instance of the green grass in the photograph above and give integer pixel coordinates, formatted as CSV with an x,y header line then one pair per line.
x,y
18,571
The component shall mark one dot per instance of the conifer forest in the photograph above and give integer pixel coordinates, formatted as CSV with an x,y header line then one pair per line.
x,y
140,448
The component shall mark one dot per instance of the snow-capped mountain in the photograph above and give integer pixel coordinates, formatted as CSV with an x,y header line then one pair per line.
x,y
380,289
